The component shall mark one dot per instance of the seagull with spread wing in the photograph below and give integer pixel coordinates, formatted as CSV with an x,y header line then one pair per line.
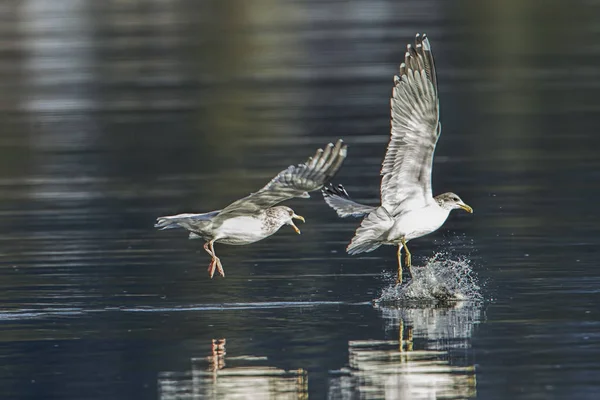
x,y
408,209
256,216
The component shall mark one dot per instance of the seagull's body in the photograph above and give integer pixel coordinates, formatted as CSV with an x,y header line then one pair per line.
x,y
236,230
417,223
248,229
408,209
256,217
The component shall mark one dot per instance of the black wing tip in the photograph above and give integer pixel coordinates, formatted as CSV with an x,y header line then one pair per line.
x,y
320,168
337,142
335,156
340,144
423,40
341,151
417,57
331,191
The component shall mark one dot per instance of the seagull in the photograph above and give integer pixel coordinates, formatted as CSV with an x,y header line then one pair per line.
x,y
256,216
408,209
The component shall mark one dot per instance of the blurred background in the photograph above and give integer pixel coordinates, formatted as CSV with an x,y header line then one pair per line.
x,y
115,112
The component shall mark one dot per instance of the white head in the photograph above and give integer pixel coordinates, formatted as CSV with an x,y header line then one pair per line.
x,y
450,201
285,216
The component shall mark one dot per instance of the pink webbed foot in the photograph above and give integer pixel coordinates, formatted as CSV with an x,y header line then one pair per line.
x,y
220,267
211,268
215,265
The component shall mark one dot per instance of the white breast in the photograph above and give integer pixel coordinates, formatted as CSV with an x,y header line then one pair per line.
x,y
419,222
241,230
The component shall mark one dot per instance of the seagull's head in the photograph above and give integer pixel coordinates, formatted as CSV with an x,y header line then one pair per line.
x,y
287,216
451,201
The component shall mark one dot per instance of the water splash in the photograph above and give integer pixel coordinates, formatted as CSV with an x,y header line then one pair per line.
x,y
440,279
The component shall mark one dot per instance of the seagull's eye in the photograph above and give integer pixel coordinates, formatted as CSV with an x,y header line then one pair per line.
x,y
291,213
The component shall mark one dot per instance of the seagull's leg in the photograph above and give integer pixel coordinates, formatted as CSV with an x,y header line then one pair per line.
x,y
216,259
407,258
399,279
207,249
211,266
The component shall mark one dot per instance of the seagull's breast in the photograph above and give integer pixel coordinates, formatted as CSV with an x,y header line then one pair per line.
x,y
242,229
419,222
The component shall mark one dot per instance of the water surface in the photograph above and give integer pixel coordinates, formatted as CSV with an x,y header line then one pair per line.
x,y
115,113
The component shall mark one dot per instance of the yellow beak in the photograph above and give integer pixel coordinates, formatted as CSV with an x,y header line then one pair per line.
x,y
466,207
301,218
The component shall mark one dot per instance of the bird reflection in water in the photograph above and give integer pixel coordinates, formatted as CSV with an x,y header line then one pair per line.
x,y
405,344
430,359
243,376
216,360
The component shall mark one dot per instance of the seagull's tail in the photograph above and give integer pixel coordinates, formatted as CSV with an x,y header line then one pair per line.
x,y
167,222
186,221
172,221
371,232
338,199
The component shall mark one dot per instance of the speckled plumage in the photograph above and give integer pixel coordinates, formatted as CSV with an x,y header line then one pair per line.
x,y
256,216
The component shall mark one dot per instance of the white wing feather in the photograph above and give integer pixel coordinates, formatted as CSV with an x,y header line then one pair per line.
x,y
406,169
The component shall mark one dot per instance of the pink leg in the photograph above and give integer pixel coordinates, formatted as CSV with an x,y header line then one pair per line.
x,y
211,266
207,249
216,259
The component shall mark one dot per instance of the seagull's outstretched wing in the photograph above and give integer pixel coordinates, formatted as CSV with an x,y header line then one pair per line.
x,y
406,169
338,199
295,181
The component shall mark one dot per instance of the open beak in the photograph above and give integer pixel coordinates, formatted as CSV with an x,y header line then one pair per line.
x,y
301,218
294,226
466,207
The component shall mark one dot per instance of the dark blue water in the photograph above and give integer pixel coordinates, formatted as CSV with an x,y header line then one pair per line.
x,y
114,113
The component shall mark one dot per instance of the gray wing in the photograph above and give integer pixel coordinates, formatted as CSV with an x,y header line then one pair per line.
x,y
415,130
295,181
338,199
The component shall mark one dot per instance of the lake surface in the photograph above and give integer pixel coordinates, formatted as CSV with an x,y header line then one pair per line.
x,y
114,113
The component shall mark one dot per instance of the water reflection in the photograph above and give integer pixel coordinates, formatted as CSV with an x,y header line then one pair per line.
x,y
444,326
116,111
428,361
240,377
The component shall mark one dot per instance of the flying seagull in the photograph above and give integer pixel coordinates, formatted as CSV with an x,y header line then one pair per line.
x,y
256,217
408,209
